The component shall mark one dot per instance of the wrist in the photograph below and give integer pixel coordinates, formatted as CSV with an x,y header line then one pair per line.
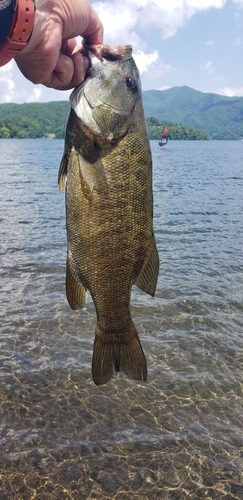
x,y
20,33
46,22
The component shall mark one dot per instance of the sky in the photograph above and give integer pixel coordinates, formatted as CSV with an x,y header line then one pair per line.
x,y
198,43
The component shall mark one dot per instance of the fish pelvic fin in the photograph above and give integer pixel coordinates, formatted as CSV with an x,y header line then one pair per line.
x,y
93,174
118,353
147,279
75,291
62,174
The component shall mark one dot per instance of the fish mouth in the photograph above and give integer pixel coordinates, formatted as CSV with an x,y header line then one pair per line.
x,y
89,100
101,52
98,55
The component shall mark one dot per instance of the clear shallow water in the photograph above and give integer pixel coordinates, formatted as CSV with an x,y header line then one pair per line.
x,y
177,436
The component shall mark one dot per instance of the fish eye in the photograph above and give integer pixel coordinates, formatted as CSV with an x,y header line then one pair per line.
x,y
131,83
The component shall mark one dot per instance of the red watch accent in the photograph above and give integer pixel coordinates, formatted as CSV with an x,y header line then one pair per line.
x,y
22,27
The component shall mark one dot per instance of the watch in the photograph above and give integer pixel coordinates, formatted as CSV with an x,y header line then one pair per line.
x,y
21,29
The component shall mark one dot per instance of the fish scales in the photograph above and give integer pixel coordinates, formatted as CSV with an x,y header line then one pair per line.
x,y
109,211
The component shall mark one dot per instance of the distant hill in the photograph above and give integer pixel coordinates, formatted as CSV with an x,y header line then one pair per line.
x,y
33,120
37,120
189,110
219,116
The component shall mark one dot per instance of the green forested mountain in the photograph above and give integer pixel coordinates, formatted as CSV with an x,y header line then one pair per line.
x,y
33,120
190,114
37,120
219,116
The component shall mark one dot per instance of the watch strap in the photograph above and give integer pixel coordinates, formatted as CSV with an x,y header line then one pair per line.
x,y
21,30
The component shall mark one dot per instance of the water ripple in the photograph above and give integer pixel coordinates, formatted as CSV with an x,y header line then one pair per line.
x,y
179,435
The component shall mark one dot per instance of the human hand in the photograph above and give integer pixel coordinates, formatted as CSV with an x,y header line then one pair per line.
x,y
53,57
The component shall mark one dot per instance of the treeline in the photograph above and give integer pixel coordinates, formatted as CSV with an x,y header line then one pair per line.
x,y
34,120
176,132
40,120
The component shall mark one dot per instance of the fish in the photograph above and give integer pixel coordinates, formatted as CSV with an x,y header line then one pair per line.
x,y
106,170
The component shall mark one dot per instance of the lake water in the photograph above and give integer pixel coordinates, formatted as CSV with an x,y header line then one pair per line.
x,y
180,434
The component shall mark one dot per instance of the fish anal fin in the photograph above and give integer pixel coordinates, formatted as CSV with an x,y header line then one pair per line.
x,y
120,355
75,291
147,279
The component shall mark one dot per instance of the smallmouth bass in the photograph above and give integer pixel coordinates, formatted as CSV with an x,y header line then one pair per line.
x,y
107,170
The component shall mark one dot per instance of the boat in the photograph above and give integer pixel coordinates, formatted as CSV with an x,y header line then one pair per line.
x,y
164,137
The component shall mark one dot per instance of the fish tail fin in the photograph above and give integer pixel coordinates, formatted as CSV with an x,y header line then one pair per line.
x,y
124,353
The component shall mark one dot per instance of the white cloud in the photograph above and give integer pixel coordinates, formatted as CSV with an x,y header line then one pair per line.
x,y
15,88
238,41
121,18
150,67
231,92
36,95
144,61
6,89
210,42
125,20
217,78
7,68
209,67
9,90
238,2
160,69
7,85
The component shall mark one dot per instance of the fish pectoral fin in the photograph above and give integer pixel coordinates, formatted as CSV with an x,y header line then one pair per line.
x,y
147,279
94,176
62,174
126,356
75,291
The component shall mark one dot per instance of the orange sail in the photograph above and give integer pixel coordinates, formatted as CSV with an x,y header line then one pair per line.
x,y
165,132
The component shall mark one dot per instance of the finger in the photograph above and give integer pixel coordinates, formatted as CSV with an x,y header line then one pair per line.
x,y
96,37
69,72
70,46
84,22
80,65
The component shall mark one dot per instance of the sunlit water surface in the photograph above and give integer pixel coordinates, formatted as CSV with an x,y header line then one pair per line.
x,y
177,436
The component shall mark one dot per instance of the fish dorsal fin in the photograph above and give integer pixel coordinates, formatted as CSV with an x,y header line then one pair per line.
x,y
62,174
75,291
93,175
147,279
